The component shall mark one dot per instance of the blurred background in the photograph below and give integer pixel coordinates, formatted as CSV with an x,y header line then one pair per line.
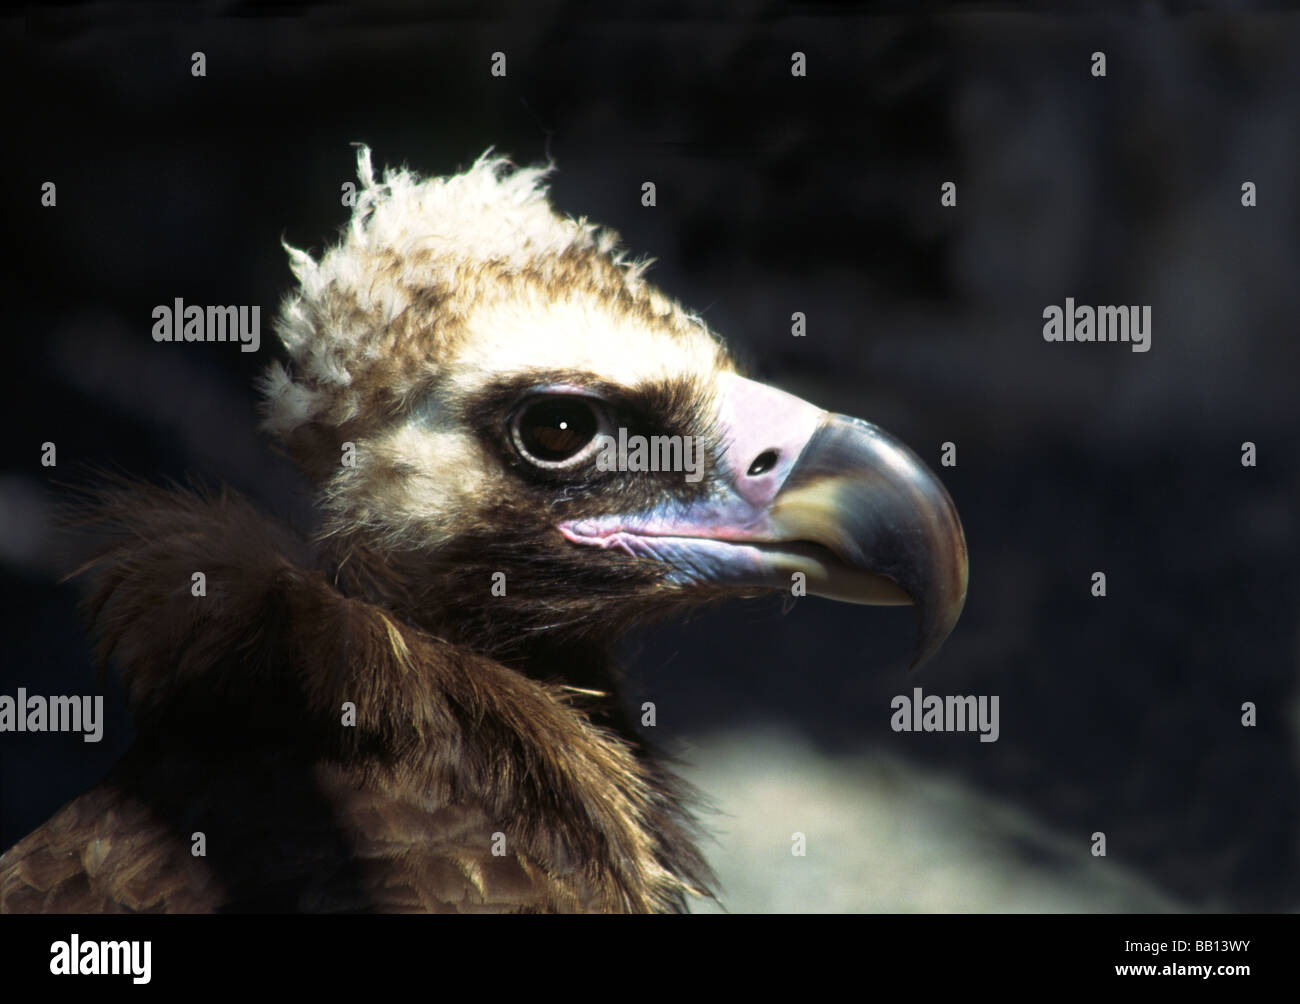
x,y
775,194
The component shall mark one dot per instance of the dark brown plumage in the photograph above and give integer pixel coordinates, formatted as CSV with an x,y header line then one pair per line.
x,y
238,701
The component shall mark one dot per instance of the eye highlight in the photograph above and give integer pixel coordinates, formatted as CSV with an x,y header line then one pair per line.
x,y
558,431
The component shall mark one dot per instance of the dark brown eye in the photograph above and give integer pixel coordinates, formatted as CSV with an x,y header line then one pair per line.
x,y
554,430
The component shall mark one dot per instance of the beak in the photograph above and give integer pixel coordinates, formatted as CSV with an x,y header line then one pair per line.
x,y
804,491
875,506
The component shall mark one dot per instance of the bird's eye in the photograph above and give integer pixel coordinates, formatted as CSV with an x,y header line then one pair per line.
x,y
556,431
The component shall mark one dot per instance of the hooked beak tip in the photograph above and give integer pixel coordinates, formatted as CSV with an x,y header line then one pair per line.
x,y
864,495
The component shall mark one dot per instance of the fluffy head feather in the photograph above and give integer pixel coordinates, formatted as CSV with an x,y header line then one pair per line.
x,y
460,275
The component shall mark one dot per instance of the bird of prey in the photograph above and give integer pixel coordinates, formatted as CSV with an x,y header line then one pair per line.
x,y
413,706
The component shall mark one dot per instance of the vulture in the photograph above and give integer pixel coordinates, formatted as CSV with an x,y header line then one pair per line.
x,y
520,450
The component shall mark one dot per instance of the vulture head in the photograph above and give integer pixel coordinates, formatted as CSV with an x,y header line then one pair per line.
x,y
522,444
520,449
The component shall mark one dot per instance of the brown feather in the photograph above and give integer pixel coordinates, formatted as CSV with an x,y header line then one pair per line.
x,y
238,697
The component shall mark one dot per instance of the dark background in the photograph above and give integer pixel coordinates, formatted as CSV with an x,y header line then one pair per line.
x,y
775,194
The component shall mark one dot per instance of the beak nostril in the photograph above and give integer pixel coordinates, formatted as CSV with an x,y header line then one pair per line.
x,y
763,463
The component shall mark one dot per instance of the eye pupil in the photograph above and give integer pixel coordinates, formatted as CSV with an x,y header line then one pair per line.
x,y
553,431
